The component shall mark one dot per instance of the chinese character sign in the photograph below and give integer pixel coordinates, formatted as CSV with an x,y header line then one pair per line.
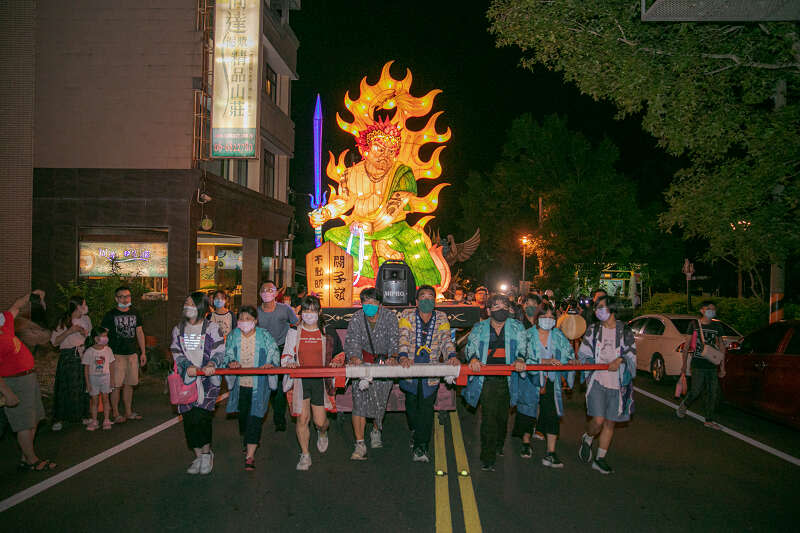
x,y
234,121
329,273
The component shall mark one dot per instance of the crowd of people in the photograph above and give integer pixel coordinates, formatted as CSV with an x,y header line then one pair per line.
x,y
98,367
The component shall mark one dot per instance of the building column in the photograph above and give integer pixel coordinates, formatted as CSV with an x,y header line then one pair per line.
x,y
181,266
17,70
251,270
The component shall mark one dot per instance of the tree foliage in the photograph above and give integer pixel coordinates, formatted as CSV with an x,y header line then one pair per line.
x,y
705,91
590,213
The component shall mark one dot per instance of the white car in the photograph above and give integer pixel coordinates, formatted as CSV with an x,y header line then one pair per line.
x,y
660,339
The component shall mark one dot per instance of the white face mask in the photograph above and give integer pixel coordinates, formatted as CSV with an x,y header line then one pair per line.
x,y
189,312
102,341
246,326
310,318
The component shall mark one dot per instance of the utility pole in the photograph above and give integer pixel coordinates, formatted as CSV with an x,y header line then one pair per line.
x,y
777,271
688,270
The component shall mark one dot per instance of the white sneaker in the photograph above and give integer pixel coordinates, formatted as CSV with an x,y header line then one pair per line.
x,y
322,441
375,440
194,468
58,426
305,462
359,452
206,462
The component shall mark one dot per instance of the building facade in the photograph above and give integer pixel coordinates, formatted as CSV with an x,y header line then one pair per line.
x,y
123,179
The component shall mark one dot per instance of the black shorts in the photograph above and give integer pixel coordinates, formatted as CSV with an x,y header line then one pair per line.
x,y
314,388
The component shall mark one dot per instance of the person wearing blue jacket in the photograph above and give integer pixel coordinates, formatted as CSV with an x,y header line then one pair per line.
x,y
609,393
541,391
500,340
249,346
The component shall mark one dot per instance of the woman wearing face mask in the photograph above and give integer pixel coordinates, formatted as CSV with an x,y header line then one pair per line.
x,y
222,316
249,346
71,400
198,349
307,345
541,391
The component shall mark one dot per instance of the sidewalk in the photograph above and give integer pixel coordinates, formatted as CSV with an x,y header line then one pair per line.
x,y
74,444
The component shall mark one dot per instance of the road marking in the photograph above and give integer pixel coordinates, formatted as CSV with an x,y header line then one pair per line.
x,y
30,492
444,521
744,438
472,521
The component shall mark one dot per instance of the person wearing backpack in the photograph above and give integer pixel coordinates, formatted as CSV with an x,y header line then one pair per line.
x,y
198,349
609,393
704,372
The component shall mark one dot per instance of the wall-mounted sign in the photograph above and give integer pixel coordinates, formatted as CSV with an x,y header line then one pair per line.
x,y
234,118
329,273
102,259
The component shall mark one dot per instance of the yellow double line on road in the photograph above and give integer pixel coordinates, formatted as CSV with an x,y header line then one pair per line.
x,y
469,505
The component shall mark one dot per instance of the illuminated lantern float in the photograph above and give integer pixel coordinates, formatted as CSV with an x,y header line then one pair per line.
x,y
374,196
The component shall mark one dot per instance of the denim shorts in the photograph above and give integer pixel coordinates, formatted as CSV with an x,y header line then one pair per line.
x,y
605,402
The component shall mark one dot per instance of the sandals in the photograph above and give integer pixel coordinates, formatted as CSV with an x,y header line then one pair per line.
x,y
134,416
41,465
250,464
119,419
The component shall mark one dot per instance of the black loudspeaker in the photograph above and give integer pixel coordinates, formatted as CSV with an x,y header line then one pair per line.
x,y
395,283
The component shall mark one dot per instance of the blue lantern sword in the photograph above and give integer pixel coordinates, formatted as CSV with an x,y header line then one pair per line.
x,y
318,200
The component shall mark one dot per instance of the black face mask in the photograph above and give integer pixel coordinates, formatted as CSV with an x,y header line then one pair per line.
x,y
501,315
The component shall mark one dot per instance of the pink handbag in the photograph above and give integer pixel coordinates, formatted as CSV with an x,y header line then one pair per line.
x,y
180,393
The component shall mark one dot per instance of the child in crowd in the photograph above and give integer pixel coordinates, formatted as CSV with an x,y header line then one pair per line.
x,y
97,358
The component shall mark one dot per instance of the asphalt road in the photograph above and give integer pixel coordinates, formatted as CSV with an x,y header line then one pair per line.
x,y
670,475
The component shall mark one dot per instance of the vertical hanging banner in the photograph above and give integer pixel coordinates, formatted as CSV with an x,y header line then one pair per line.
x,y
329,273
234,117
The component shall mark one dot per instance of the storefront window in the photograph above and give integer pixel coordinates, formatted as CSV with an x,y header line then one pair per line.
x,y
219,262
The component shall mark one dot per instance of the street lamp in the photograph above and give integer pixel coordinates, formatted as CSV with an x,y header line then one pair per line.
x,y
527,245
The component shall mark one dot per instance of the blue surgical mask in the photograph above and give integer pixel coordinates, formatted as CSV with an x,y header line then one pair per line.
x,y
123,306
370,310
547,323
602,314
710,313
219,303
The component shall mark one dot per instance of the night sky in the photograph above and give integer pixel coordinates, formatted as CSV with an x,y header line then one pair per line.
x,y
447,46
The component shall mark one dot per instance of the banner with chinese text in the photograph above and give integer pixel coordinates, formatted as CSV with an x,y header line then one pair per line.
x,y
329,273
234,118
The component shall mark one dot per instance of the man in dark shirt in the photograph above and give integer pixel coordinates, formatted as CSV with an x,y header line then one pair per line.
x,y
276,318
493,391
704,372
126,340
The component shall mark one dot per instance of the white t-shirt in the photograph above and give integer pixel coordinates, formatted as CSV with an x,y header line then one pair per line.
x,y
193,341
98,359
607,352
76,338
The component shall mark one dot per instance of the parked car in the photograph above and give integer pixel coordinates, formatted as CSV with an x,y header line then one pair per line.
x,y
763,373
660,339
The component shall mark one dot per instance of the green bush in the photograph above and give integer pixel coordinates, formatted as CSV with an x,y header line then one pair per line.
x,y
746,314
99,295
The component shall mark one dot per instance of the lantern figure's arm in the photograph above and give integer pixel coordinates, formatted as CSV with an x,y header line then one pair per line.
x,y
336,207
